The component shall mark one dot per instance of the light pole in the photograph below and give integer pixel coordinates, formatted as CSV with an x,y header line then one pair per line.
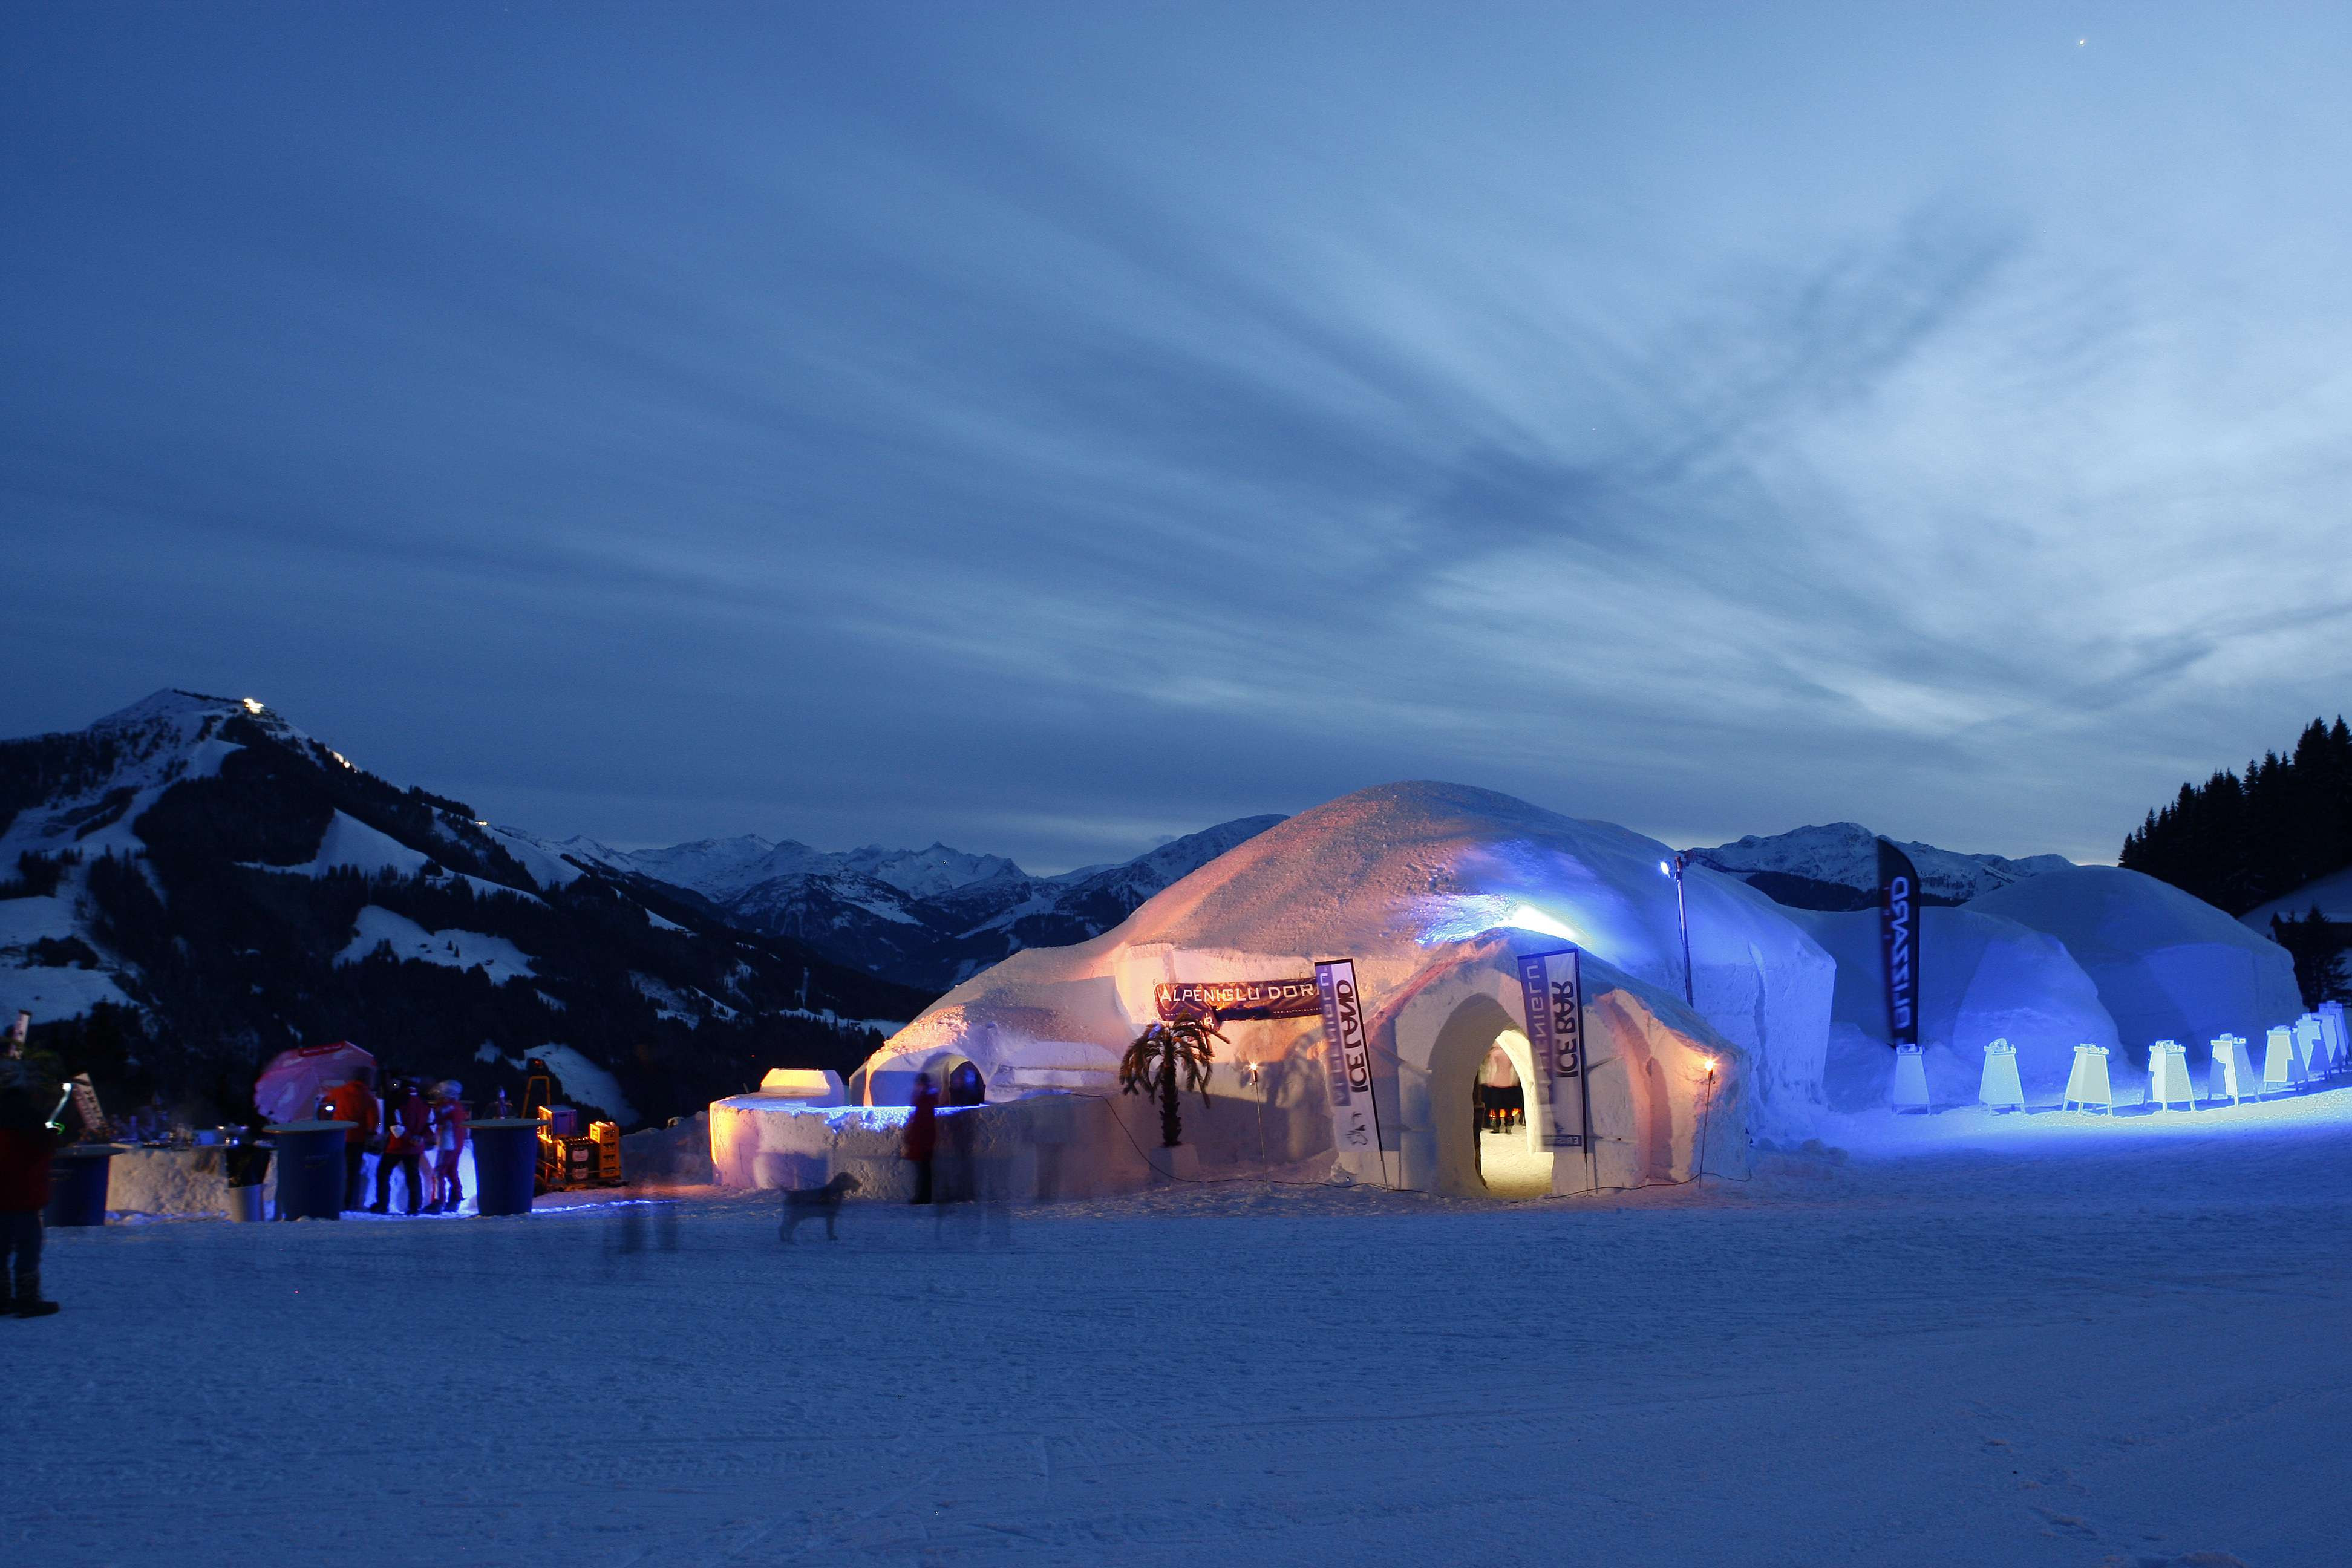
x,y
1682,914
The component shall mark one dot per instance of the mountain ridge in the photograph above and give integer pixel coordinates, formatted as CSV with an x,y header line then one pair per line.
x,y
199,884
1835,866
926,917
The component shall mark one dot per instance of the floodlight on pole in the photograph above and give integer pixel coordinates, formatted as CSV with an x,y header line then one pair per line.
x,y
1682,914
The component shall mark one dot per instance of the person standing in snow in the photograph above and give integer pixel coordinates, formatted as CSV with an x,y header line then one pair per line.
x,y
353,1101
407,1128
27,1142
923,1136
450,1121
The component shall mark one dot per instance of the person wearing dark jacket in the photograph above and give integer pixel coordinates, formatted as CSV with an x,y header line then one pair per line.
x,y
923,1136
406,1130
27,1141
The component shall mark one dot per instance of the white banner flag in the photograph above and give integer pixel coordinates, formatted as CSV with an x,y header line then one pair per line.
x,y
1552,986
1355,1118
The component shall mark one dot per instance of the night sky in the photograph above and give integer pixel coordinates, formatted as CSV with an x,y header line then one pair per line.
x,y
1048,429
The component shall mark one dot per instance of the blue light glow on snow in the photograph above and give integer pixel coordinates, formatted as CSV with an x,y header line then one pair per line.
x,y
1474,916
2044,1127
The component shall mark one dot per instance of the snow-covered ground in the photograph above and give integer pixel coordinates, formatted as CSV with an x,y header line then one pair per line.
x,y
2032,1340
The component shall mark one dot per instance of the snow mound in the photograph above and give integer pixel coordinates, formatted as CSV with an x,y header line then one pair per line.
x,y
2169,965
1387,873
1982,978
494,956
1413,881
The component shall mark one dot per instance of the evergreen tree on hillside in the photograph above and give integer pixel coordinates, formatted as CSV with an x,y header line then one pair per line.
x,y
2240,842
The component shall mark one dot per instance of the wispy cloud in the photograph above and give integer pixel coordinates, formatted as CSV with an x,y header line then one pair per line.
x,y
1025,430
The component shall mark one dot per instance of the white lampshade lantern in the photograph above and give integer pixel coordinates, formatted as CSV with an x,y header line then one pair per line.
x,y
2282,1064
2233,1072
1910,1090
2168,1075
2001,1087
2088,1085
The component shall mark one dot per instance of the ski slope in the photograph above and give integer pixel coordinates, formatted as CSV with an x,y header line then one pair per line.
x,y
2061,1343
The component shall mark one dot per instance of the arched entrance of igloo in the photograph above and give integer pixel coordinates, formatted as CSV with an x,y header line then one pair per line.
x,y
962,1085
1472,1162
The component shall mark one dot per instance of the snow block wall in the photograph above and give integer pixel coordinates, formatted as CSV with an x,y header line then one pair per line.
x,y
1047,1146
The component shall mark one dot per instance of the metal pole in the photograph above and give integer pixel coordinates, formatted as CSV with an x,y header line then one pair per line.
x,y
1698,1156
1682,912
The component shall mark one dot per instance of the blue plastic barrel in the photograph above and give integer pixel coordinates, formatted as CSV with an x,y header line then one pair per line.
x,y
310,1169
505,1164
77,1177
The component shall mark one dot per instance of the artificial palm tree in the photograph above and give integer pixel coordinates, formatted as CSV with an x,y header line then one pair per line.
x,y
1160,1054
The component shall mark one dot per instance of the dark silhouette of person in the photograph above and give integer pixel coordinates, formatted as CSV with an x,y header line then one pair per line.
x,y
922,1143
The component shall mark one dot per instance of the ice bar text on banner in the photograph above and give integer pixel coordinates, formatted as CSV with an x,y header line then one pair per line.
x,y
1355,1116
1553,987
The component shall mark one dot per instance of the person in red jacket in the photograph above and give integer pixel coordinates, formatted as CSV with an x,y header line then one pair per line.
x,y
353,1101
407,1136
923,1136
27,1141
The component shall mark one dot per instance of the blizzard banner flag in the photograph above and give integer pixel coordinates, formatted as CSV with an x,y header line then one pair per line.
x,y
1355,1119
1231,999
1898,936
1553,986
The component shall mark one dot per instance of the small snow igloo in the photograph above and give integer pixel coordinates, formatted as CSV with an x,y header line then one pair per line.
x,y
1982,978
1434,891
2167,965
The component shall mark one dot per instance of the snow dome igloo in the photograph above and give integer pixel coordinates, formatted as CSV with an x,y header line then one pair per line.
x,y
1981,978
1432,891
2167,965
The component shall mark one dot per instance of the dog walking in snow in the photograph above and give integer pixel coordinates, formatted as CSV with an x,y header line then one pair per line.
x,y
824,1200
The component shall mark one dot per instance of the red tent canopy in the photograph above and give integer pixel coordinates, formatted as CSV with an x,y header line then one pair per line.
x,y
290,1086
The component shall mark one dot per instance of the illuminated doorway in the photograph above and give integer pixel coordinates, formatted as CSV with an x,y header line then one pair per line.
x,y
1471,1161
1512,1161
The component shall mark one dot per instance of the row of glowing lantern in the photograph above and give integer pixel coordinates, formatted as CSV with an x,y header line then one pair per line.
x,y
2294,1054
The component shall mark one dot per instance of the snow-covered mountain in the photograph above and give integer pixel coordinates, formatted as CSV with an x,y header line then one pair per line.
x,y
1835,867
723,868
927,918
193,884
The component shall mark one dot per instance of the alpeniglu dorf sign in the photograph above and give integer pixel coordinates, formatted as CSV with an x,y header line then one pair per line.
x,y
1231,999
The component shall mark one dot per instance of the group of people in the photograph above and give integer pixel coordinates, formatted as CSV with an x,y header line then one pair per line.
x,y
417,1128
1502,1102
